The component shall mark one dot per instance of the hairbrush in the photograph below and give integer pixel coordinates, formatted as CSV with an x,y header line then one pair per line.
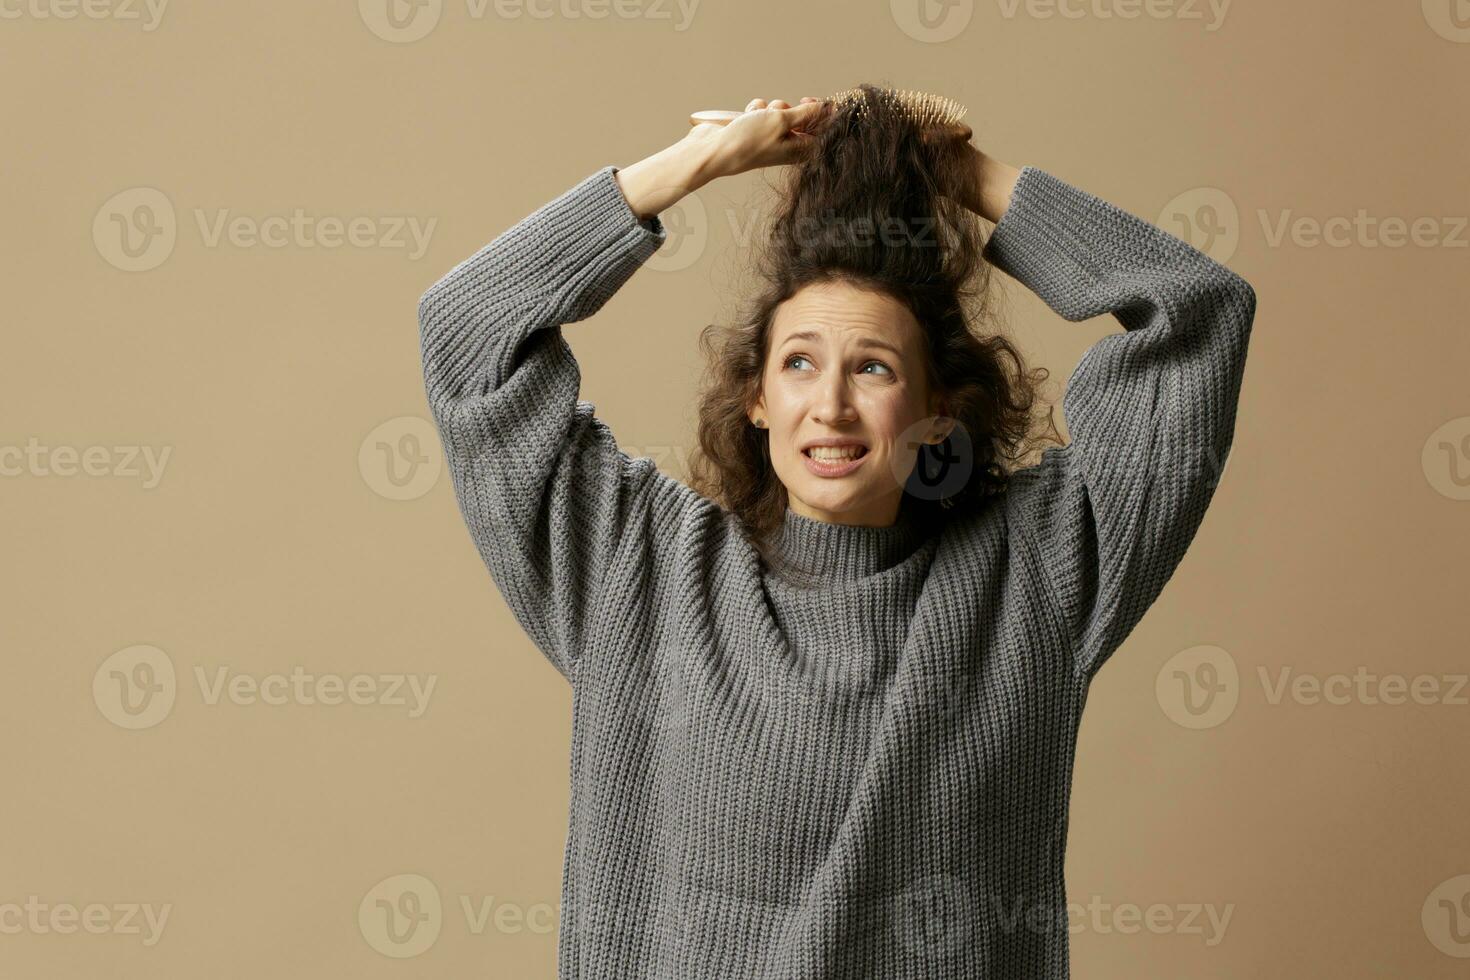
x,y
935,115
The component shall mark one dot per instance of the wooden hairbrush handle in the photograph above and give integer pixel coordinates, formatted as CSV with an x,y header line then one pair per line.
x,y
938,118
717,116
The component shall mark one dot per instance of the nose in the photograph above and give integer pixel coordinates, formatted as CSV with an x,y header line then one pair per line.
x,y
833,405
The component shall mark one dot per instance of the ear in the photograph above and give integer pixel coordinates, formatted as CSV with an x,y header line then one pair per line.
x,y
940,430
943,424
757,411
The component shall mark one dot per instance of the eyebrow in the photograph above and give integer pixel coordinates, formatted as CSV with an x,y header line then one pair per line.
x,y
866,341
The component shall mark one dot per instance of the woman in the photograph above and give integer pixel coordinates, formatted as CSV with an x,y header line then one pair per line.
x,y
824,714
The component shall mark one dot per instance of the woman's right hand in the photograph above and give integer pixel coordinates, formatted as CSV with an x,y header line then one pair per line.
x,y
762,136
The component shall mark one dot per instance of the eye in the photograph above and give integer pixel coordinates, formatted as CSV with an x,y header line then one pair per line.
x,y
884,369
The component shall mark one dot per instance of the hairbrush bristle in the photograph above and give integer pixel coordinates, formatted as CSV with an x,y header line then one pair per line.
x,y
924,109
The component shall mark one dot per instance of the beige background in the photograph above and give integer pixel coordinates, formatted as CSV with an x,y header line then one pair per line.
x,y
1332,835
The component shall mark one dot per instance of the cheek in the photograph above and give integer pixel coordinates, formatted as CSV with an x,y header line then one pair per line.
x,y
784,401
890,414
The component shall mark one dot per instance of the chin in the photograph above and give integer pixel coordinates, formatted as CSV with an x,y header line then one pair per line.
x,y
831,499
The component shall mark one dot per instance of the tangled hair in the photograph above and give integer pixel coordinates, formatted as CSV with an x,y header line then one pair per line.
x,y
874,203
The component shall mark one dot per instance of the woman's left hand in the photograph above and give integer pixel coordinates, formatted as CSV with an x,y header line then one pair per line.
x,y
764,135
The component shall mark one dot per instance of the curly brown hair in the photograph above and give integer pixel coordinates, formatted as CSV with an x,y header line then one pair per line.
x,y
874,202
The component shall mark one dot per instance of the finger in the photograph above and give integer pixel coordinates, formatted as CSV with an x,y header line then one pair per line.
x,y
755,104
780,104
806,113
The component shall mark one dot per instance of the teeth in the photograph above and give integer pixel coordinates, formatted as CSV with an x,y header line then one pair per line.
x,y
834,452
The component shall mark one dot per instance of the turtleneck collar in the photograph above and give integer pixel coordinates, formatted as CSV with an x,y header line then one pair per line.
x,y
812,552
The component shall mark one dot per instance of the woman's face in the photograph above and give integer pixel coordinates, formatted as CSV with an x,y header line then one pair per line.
x,y
846,366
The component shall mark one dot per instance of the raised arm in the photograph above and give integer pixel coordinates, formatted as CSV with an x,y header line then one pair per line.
x,y
547,495
559,514
1150,411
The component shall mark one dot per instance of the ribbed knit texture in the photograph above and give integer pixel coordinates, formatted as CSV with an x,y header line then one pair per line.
x,y
857,765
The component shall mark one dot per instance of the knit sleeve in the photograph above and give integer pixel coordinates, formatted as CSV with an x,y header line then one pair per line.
x,y
548,497
1150,411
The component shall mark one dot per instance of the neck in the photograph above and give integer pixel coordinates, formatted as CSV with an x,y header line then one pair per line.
x,y
881,512
812,552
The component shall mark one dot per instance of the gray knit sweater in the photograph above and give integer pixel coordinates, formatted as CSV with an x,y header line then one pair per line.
x,y
864,772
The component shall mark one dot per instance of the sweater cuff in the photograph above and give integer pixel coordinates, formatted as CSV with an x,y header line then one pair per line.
x,y
1054,238
592,223
1042,239
653,225
594,243
557,265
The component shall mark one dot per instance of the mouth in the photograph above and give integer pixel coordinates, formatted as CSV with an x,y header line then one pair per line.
x,y
835,453
834,461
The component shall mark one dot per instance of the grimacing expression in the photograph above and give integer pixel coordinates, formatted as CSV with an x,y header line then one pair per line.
x,y
845,397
